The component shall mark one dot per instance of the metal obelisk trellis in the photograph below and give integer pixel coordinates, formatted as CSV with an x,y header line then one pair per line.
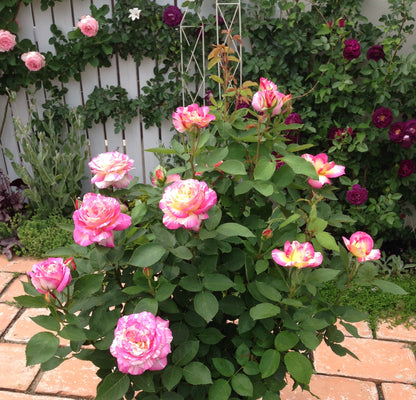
x,y
230,13
193,68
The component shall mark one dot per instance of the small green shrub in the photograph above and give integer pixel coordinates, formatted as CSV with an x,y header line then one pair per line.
x,y
40,235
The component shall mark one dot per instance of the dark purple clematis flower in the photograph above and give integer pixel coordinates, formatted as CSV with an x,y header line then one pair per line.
x,y
382,117
357,195
406,168
352,49
172,16
376,53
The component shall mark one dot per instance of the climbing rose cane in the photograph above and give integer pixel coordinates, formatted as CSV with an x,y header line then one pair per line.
x,y
360,245
324,169
191,118
141,342
51,274
88,25
111,169
185,204
96,220
299,255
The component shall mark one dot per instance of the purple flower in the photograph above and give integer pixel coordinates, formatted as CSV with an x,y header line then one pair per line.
x,y
220,21
293,135
172,16
352,49
208,95
376,53
293,118
396,132
278,158
406,168
382,117
336,133
357,195
409,137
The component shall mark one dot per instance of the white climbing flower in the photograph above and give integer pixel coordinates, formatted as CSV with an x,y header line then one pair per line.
x,y
134,13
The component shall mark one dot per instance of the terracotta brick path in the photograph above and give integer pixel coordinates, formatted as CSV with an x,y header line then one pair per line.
x,y
386,370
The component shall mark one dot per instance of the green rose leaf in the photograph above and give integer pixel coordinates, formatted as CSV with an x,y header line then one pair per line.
x,y
264,169
47,321
89,284
285,340
326,240
224,366
41,347
113,387
138,212
233,167
217,282
31,301
264,310
72,332
206,305
300,166
147,255
232,229
269,363
147,304
242,385
322,275
182,252
211,335
299,367
171,376
219,390
185,352
197,373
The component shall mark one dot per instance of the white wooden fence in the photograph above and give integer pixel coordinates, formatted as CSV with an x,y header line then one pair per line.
x,y
35,25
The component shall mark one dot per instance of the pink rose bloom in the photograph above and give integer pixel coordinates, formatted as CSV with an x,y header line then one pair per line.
x,y
185,204
88,25
191,118
7,41
299,255
268,98
324,169
96,220
111,169
33,60
141,342
360,245
51,274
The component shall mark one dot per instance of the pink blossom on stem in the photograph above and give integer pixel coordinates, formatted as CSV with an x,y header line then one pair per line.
x,y
360,245
299,255
97,218
192,118
51,274
141,342
7,41
33,60
268,99
324,169
185,204
88,25
111,169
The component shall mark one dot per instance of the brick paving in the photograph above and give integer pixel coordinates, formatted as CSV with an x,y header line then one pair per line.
x,y
386,370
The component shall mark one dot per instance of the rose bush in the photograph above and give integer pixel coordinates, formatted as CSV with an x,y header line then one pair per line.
x,y
210,287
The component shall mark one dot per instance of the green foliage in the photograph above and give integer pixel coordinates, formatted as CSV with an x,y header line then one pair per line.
x,y
40,234
55,155
240,322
